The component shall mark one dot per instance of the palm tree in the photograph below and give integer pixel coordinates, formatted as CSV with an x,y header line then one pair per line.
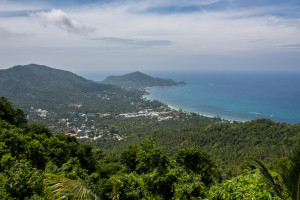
x,y
290,175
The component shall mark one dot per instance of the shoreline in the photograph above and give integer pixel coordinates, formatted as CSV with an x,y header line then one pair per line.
x,y
223,116
147,93
267,98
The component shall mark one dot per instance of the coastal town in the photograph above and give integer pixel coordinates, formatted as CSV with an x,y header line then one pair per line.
x,y
94,126
101,121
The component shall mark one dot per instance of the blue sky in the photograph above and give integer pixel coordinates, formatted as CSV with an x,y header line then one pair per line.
x,y
128,35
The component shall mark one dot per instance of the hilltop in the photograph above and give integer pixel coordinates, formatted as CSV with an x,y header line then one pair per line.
x,y
139,80
38,84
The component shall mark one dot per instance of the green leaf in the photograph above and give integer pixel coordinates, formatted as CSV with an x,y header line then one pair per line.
x,y
62,188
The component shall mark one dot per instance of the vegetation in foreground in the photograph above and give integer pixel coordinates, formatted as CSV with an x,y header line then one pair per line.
x,y
33,162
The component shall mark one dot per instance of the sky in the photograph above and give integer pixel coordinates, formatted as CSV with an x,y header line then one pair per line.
x,y
129,35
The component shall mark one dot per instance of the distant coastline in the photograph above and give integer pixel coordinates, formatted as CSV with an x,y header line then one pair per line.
x,y
240,96
177,108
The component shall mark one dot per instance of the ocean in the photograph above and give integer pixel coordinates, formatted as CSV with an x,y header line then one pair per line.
x,y
240,96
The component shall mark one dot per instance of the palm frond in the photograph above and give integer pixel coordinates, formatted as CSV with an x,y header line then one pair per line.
x,y
269,179
291,175
61,188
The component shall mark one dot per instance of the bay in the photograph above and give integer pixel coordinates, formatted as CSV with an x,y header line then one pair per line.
x,y
240,96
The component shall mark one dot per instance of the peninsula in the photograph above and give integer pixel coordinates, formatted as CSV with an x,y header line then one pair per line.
x,y
139,80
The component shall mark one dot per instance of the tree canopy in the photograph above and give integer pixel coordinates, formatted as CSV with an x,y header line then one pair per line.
x,y
37,164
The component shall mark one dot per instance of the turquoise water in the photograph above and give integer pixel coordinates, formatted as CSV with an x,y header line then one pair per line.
x,y
239,96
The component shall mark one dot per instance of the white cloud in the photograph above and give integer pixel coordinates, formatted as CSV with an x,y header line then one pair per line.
x,y
121,27
177,3
60,19
198,32
134,43
5,33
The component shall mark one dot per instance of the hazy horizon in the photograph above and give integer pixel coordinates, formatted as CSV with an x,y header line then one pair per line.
x,y
130,35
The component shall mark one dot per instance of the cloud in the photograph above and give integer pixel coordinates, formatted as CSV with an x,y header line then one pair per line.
x,y
60,19
178,3
5,33
135,43
175,6
129,33
291,46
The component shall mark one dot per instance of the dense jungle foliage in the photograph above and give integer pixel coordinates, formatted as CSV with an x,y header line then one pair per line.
x,y
230,145
36,164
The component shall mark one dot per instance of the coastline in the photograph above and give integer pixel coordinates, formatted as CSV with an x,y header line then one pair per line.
x,y
173,107
223,95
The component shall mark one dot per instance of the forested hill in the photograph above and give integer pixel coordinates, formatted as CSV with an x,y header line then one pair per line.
x,y
36,164
138,80
31,84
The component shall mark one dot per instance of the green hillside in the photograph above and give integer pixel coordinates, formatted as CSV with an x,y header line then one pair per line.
x,y
38,84
37,164
230,144
138,80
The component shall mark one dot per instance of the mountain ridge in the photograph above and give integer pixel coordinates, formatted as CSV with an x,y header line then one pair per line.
x,y
39,83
